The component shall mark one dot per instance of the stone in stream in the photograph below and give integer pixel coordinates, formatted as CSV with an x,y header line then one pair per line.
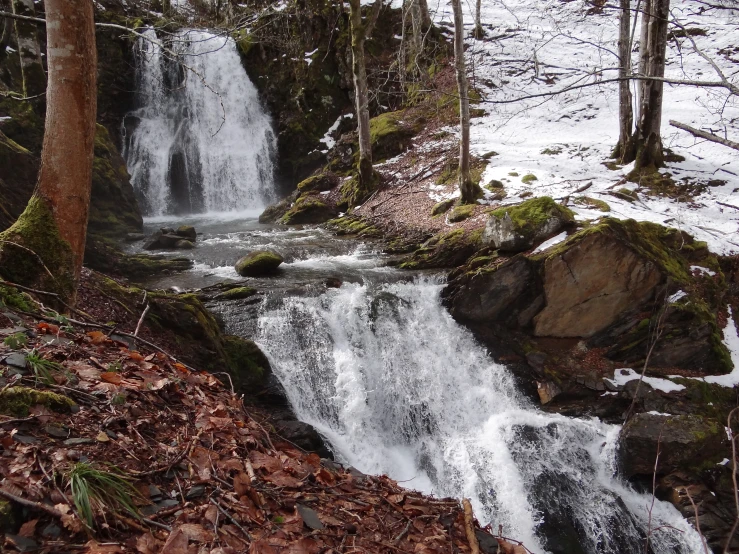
x,y
183,238
258,263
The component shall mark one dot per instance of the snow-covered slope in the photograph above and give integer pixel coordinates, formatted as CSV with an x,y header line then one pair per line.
x,y
539,46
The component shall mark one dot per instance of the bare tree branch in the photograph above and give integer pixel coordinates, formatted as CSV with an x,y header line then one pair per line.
x,y
704,135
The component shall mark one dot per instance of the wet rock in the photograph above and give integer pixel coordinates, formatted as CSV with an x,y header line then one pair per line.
x,y
310,517
518,228
24,439
258,263
547,390
333,283
17,360
195,492
319,183
184,245
22,544
187,232
303,435
278,210
684,441
134,237
51,531
442,207
237,293
57,431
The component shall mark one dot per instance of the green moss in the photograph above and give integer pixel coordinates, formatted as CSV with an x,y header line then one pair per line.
x,y
247,363
7,516
442,207
389,135
36,230
354,194
258,263
532,214
308,208
593,203
460,213
627,194
352,225
529,178
17,401
238,293
552,151
318,183
14,298
446,249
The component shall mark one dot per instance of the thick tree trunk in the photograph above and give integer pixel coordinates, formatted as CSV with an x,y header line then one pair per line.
x,y
470,191
425,15
32,69
624,150
479,32
648,141
417,27
54,224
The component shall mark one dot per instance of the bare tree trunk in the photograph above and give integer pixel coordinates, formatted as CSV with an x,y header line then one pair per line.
x,y
624,150
479,31
425,15
32,69
470,191
643,49
166,6
417,26
648,141
54,224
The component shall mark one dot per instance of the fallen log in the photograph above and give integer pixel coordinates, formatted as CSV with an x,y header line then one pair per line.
x,y
705,135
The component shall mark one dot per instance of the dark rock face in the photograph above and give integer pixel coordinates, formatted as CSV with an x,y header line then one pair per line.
x,y
684,442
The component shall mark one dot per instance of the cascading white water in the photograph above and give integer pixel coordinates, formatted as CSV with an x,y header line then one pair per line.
x,y
199,140
398,387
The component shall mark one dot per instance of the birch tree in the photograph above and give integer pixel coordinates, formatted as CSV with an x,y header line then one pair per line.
x,y
45,246
478,32
360,32
470,191
625,148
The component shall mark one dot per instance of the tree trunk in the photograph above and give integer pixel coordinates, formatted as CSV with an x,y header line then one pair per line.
x,y
478,32
624,150
425,15
470,191
32,69
361,94
417,27
166,6
54,224
648,141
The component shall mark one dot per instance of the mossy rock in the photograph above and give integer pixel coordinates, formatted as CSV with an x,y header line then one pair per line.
x,y
529,178
446,249
626,194
274,212
17,401
238,293
321,182
518,228
353,193
593,203
104,255
352,225
248,365
13,298
307,209
390,136
258,263
442,207
462,212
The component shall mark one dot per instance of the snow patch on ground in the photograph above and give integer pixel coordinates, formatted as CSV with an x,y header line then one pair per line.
x,y
551,242
625,375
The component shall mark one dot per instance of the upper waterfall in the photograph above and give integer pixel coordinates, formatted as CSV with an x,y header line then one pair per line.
x,y
198,140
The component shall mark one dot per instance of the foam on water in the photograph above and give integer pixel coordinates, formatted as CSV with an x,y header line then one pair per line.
x,y
398,387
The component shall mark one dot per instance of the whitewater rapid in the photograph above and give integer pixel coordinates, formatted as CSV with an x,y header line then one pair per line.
x,y
399,388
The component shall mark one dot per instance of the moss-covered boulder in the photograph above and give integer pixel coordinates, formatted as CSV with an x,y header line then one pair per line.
x,y
258,263
307,209
320,182
237,293
105,256
592,203
518,228
683,442
353,225
17,401
274,212
390,135
249,366
442,207
461,212
446,249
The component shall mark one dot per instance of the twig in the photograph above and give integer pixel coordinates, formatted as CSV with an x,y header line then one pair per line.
x,y
727,205
705,135
165,467
230,518
469,527
403,532
697,520
141,320
31,504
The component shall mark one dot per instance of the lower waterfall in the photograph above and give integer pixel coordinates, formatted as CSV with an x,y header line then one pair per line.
x,y
199,140
398,387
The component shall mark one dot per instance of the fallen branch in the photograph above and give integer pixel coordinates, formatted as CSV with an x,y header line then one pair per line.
x,y
705,135
469,527
728,205
31,504
141,320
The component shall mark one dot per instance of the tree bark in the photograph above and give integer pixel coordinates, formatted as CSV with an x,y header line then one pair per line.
x,y
469,190
359,34
32,69
425,15
648,140
624,150
54,224
479,32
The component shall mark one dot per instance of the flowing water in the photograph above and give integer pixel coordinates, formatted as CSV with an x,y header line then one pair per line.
x,y
398,387
199,140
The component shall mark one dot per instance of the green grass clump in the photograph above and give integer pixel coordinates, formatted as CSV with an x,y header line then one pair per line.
x,y
42,369
94,490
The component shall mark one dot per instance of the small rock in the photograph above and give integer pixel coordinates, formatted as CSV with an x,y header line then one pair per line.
x,y
547,391
24,439
57,431
134,237
16,359
12,317
77,441
184,245
187,232
258,263
195,492
310,517
51,531
155,495
22,544
333,283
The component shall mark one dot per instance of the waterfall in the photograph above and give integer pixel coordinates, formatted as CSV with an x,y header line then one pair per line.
x,y
199,140
398,387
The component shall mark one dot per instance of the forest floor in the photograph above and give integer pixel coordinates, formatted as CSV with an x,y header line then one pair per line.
x,y
111,445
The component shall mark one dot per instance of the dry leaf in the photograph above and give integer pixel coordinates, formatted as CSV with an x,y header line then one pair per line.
x,y
147,544
242,483
97,337
111,377
28,529
102,437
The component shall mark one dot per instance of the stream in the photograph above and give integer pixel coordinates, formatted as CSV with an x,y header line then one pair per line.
x,y
397,387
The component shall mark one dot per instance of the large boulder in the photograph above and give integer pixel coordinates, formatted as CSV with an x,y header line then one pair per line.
x,y
309,208
258,263
683,442
518,228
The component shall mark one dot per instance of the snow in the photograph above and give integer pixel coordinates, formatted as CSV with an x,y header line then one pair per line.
x,y
328,138
723,462
624,375
545,45
677,296
551,242
703,270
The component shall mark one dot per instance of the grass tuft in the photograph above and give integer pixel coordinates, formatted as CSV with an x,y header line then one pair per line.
x,y
42,368
94,490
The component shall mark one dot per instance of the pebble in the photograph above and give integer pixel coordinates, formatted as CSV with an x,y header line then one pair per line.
x,y
77,442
